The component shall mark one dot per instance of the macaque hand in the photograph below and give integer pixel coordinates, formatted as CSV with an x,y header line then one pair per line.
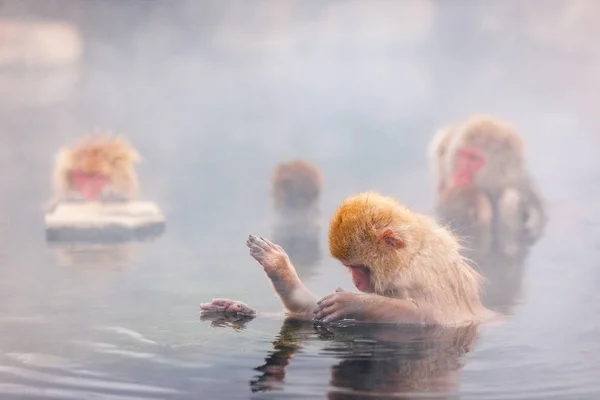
x,y
340,305
271,256
227,306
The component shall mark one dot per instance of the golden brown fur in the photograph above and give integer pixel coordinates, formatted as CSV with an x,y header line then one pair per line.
x,y
296,186
428,266
104,153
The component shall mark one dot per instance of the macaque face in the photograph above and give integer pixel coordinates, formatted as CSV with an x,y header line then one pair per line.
x,y
469,160
89,184
361,277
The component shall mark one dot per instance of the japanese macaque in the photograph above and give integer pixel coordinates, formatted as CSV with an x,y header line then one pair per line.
x,y
296,190
408,268
99,168
488,154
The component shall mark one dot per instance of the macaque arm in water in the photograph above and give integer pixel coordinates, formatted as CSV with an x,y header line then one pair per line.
x,y
370,307
220,305
296,297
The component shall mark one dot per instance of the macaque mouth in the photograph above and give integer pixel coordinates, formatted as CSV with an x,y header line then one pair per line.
x,y
89,184
468,162
361,277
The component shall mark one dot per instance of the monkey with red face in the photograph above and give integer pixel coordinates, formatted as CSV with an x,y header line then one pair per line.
x,y
99,168
487,155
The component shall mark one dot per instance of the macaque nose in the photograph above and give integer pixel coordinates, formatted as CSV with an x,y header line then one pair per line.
x,y
361,278
90,185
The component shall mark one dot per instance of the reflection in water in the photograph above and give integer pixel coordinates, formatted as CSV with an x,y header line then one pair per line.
x,y
376,360
85,255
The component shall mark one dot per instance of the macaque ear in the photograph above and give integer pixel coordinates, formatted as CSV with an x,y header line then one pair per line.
x,y
390,237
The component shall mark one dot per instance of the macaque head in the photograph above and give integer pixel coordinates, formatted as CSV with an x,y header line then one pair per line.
x,y
296,186
486,151
375,237
95,162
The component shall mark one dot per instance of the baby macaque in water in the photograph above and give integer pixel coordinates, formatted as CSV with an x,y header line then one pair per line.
x,y
407,267
98,168
486,155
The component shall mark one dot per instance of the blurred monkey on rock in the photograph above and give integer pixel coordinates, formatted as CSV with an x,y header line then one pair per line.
x,y
98,168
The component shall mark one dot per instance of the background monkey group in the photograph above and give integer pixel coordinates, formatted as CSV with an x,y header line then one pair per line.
x,y
98,168
483,184
408,268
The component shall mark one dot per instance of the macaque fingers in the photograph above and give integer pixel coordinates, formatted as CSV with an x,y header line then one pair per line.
x,y
260,242
325,311
333,317
326,300
227,306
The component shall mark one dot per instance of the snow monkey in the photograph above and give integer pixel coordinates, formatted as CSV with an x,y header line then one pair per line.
x,y
407,267
488,154
98,168
296,190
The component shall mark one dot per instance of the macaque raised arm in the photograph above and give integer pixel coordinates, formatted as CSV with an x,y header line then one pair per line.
x,y
296,298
